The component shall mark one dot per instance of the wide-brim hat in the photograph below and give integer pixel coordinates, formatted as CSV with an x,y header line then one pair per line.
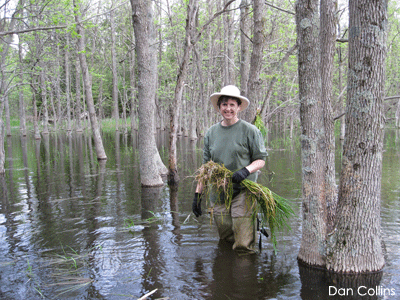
x,y
229,90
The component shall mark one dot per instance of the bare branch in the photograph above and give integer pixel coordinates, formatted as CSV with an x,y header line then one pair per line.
x,y
281,9
3,33
391,98
212,19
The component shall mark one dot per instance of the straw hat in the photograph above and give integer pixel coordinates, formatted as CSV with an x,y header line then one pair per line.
x,y
229,90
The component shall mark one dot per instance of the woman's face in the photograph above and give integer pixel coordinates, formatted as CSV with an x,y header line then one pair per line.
x,y
229,109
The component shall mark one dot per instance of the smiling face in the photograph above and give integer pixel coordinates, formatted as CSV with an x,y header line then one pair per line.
x,y
229,110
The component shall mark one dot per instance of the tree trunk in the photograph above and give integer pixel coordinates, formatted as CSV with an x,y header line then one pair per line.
x,y
132,79
2,151
57,87
356,243
43,89
115,111
34,112
192,8
7,112
78,107
312,248
67,84
244,46
229,67
22,116
256,59
327,42
150,167
98,142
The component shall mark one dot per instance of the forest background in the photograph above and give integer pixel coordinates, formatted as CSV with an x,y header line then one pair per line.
x,y
41,76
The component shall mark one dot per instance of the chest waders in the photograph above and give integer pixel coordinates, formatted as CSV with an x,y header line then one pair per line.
x,y
236,223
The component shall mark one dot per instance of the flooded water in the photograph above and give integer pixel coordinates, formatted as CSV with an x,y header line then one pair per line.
x,y
74,228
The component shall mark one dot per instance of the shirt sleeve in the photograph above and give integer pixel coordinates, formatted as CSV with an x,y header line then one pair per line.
x,y
206,149
257,146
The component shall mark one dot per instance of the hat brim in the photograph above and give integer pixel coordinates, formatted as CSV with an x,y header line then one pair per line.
x,y
214,100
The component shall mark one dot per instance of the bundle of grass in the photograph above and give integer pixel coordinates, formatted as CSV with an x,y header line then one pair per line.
x,y
270,207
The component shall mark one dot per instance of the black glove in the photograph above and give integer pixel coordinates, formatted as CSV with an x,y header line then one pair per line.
x,y
196,205
236,190
238,176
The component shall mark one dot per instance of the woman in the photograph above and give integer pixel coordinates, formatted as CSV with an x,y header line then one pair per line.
x,y
239,146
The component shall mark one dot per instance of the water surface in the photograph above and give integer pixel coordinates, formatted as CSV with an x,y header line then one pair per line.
x,y
75,228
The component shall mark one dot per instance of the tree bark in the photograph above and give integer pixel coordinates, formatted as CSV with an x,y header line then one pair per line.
x,y
327,41
150,167
256,59
2,151
78,96
67,84
98,142
229,66
34,111
312,248
244,46
22,115
7,112
115,111
192,8
356,243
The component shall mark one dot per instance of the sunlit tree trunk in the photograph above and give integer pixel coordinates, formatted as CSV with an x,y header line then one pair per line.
x,y
356,243
98,142
312,248
150,161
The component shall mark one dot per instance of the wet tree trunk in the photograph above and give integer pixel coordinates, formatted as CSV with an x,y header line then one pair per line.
x,y
312,248
244,46
356,243
98,142
256,59
150,167
115,111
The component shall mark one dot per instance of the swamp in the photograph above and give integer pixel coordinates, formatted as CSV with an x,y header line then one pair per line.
x,y
72,227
